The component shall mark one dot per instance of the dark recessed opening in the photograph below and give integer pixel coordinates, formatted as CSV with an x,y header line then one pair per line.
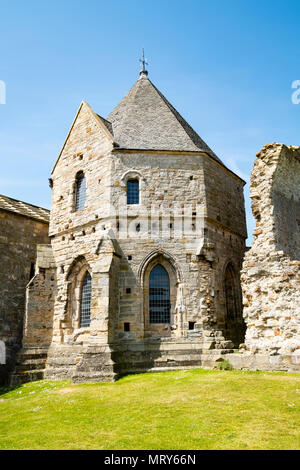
x,y
192,325
128,290
191,177
32,271
138,227
126,326
129,257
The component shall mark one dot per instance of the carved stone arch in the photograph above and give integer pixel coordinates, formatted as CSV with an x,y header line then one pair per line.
x,y
74,279
234,325
152,256
131,174
160,257
75,266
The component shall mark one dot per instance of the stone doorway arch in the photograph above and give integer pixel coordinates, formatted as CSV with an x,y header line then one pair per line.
x,y
235,327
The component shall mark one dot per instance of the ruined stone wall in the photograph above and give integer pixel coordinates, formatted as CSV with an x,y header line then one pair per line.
x,y
40,296
271,270
19,237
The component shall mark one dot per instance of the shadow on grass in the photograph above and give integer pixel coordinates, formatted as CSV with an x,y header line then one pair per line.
x,y
7,389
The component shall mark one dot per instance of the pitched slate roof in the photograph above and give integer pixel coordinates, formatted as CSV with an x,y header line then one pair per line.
x,y
145,119
24,209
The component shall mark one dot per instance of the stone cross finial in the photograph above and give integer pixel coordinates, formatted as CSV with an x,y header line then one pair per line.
x,y
143,62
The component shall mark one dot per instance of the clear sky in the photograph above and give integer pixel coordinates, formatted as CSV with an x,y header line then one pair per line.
x,y
226,65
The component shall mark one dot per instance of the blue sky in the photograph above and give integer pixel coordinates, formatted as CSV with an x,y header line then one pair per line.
x,y
226,65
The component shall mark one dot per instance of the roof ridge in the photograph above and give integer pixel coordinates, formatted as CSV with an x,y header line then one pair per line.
x,y
133,91
23,202
107,123
24,209
182,121
103,119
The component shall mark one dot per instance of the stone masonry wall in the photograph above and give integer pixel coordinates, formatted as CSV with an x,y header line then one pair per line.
x,y
19,237
271,270
86,149
183,180
40,295
168,180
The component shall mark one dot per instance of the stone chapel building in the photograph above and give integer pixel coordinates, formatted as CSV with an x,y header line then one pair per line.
x,y
147,238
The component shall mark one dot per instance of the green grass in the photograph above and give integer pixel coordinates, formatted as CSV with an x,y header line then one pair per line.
x,y
191,409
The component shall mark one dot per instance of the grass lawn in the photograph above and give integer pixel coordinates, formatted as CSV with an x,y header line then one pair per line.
x,y
190,409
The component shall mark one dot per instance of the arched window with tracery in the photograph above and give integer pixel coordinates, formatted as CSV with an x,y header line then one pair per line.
x,y
159,295
85,301
80,191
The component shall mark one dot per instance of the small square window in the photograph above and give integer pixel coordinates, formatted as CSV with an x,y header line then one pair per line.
x,y
192,325
126,326
128,290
